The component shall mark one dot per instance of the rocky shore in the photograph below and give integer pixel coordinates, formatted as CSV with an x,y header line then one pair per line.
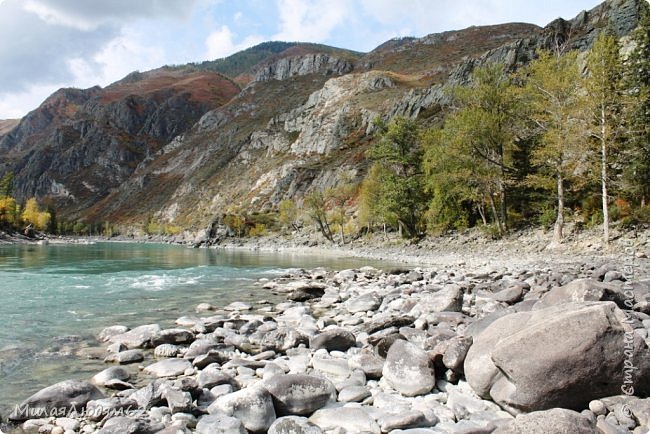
x,y
508,347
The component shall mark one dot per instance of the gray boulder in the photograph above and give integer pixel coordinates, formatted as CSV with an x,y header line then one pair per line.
x,y
139,337
294,425
282,339
370,363
125,357
409,369
168,368
333,340
219,424
201,347
149,396
127,425
213,376
108,332
562,356
555,421
108,374
448,299
69,395
363,303
298,394
253,406
98,409
166,350
351,419
578,290
172,336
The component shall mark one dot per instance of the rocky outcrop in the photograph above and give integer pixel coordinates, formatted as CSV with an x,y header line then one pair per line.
x,y
80,144
304,65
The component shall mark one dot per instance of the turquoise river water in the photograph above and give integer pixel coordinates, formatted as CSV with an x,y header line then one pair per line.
x,y
54,299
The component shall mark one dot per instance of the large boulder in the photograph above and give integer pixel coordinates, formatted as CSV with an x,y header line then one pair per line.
x,y
555,421
409,369
333,340
128,425
579,290
561,356
168,368
298,394
253,406
139,337
351,419
63,397
108,374
294,425
172,336
219,424
448,299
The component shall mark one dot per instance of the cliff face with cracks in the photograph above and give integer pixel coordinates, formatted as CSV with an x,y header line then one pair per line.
x,y
181,144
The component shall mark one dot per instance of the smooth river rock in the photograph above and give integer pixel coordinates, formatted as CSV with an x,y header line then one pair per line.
x,y
61,397
219,424
168,368
299,394
337,339
409,369
139,337
294,425
108,374
561,356
253,406
555,421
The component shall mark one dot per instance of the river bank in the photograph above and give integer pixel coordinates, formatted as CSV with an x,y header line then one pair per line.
x,y
365,350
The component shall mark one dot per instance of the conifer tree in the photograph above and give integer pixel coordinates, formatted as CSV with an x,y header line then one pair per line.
x,y
637,175
605,92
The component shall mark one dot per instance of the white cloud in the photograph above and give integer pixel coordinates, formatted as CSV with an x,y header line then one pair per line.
x,y
54,16
311,20
220,43
118,58
90,14
16,104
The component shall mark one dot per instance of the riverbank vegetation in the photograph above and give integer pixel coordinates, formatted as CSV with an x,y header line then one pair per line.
x,y
565,138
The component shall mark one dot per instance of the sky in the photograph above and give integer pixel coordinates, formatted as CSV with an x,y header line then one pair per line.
x,y
49,44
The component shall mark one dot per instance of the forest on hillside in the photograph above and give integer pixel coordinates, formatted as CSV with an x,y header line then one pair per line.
x,y
567,138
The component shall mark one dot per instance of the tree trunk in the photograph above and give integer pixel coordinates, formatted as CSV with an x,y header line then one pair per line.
x,y
503,210
559,222
495,214
603,173
481,211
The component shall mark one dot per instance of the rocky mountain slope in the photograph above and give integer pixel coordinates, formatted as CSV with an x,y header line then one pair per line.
x,y
181,144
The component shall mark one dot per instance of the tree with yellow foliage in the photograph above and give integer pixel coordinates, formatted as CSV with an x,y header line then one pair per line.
x,y
32,215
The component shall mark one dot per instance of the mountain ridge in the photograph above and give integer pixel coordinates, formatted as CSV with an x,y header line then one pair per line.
x,y
181,144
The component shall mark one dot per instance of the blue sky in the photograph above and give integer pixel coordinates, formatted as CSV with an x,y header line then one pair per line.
x,y
48,44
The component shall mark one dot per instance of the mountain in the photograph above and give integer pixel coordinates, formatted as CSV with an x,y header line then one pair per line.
x,y
7,125
181,144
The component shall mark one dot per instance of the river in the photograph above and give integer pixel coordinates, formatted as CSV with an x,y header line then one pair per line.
x,y
55,299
